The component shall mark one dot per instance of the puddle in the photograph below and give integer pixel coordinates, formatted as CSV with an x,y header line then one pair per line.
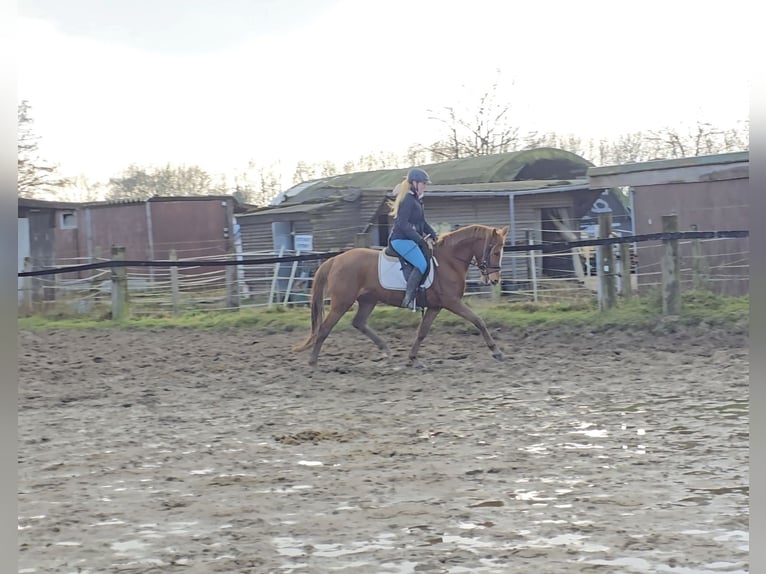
x,y
705,570
129,546
531,495
467,543
112,522
595,433
638,564
286,490
288,546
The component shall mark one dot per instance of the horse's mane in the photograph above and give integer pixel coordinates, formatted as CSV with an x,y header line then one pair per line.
x,y
453,238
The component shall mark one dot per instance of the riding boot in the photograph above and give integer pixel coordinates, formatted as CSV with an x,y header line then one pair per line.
x,y
412,285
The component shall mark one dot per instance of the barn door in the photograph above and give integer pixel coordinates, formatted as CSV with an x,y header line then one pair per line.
x,y
555,223
24,251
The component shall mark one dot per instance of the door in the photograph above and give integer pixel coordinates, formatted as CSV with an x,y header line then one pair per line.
x,y
24,251
555,265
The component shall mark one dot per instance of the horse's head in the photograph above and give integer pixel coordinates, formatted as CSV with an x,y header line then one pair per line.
x,y
490,262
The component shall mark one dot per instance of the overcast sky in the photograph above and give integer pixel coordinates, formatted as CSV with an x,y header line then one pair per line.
x,y
218,83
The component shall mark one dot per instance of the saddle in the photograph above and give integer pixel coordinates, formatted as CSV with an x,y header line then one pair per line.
x,y
394,270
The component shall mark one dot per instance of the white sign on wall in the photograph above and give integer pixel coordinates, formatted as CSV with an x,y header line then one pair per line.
x,y
304,243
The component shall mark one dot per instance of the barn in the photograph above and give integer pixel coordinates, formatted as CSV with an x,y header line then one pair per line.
x,y
535,192
55,234
707,193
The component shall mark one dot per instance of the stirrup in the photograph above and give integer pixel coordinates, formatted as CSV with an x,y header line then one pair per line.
x,y
413,304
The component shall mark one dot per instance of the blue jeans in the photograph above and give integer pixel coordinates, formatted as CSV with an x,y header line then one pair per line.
x,y
410,251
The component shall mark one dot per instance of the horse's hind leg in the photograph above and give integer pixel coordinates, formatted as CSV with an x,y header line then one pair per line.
x,y
360,322
336,312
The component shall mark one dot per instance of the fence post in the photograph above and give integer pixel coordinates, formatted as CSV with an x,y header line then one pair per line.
x,y
291,280
671,286
275,278
605,268
26,285
119,284
699,271
232,286
532,264
175,295
625,271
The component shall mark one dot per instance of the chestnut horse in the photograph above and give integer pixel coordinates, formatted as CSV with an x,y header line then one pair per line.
x,y
352,277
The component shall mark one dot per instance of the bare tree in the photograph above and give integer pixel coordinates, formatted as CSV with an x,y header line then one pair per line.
x,y
304,171
417,155
257,184
328,168
701,139
36,177
567,142
82,190
142,183
487,129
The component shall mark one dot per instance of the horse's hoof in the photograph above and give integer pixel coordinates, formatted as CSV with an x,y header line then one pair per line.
x,y
498,355
414,363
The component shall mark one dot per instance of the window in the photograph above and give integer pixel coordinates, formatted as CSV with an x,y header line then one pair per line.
x,y
68,220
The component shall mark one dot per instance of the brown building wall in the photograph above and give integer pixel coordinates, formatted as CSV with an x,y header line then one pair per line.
x,y
122,225
711,206
199,228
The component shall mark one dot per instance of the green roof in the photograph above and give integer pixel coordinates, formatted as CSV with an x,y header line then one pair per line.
x,y
532,164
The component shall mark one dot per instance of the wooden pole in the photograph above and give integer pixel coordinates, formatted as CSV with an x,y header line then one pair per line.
x,y
699,273
606,274
26,286
175,294
119,285
625,271
671,266
232,286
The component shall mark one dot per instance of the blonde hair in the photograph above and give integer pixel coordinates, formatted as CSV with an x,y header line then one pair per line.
x,y
403,189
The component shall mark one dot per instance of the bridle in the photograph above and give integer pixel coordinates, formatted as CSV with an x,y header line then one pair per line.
x,y
484,267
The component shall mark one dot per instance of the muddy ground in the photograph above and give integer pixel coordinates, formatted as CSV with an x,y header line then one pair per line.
x,y
223,452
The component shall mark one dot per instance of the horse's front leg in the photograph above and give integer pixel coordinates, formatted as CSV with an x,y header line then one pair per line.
x,y
423,329
461,309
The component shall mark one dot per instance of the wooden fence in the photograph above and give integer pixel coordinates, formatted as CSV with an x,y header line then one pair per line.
x,y
283,278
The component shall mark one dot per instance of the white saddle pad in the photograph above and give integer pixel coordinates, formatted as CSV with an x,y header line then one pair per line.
x,y
391,276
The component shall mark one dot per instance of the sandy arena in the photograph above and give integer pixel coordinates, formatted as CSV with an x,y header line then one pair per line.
x,y
223,452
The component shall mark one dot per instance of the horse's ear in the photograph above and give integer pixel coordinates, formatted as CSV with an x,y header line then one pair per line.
x,y
504,230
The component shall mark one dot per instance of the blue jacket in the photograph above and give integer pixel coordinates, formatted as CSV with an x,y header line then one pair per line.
x,y
410,221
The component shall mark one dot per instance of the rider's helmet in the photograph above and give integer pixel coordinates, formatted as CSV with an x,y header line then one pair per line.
x,y
417,175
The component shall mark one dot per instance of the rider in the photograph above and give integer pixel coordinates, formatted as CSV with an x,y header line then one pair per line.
x,y
411,229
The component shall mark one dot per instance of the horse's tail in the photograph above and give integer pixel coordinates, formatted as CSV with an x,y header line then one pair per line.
x,y
318,287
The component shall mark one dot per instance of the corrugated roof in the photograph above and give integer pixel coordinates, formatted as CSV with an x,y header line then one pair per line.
x,y
45,204
292,208
23,202
659,164
539,164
